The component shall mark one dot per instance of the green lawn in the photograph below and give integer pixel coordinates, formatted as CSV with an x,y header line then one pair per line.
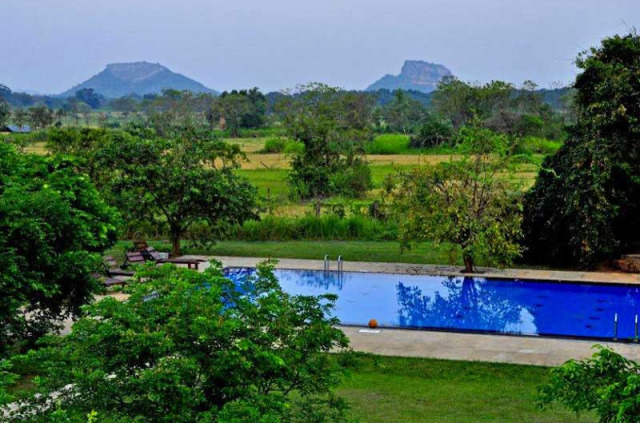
x,y
407,390
383,251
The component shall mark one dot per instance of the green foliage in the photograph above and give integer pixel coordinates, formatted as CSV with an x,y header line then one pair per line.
x,y
195,347
586,200
467,202
434,132
239,109
535,145
53,227
607,384
329,227
5,112
388,144
333,126
178,182
403,113
282,145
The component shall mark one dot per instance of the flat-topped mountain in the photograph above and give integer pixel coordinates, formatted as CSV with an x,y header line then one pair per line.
x,y
414,75
121,79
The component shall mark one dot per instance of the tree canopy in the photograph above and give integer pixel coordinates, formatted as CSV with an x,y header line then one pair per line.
x,y
470,203
607,384
332,125
584,205
53,227
195,347
180,182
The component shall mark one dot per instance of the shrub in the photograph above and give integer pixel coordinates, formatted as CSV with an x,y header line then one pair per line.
x,y
281,145
329,227
536,145
433,133
353,181
388,144
274,145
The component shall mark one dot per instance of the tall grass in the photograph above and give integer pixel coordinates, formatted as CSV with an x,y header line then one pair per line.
x,y
389,144
327,227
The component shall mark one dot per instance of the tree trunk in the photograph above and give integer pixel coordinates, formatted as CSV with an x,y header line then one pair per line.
x,y
468,264
175,246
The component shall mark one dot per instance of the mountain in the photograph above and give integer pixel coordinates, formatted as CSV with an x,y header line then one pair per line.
x,y
415,75
121,79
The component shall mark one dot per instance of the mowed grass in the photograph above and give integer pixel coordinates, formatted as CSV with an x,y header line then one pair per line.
x,y
412,390
372,251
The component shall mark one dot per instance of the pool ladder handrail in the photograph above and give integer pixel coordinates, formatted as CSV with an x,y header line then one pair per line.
x,y
326,262
340,264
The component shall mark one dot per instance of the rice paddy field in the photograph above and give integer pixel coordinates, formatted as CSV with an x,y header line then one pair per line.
x,y
386,154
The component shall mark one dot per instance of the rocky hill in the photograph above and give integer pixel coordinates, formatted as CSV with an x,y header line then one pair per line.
x,y
121,79
415,75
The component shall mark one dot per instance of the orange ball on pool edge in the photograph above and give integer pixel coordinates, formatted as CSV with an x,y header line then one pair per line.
x,y
373,323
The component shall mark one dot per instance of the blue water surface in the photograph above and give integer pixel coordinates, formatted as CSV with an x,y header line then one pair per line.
x,y
470,304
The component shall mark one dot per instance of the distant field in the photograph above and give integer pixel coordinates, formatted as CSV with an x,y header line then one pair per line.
x,y
268,172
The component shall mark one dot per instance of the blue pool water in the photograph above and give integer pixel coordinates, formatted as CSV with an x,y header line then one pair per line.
x,y
470,304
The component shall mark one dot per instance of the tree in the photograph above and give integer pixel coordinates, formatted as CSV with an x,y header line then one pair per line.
x,y
179,182
468,203
607,384
40,116
461,102
196,347
53,227
434,132
333,135
85,111
403,113
584,205
20,117
124,105
233,108
5,112
90,97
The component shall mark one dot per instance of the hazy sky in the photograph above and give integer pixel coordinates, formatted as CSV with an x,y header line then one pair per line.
x,y
50,45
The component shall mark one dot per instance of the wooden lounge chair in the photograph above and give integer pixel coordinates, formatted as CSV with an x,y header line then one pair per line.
x,y
113,269
133,258
108,281
151,254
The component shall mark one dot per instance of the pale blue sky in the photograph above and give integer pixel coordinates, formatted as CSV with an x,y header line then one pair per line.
x,y
50,45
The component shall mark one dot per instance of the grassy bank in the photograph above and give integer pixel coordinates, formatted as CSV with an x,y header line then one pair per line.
x,y
408,390
383,251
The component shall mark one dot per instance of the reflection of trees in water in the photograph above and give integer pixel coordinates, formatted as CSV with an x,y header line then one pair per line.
x,y
467,305
312,278
317,279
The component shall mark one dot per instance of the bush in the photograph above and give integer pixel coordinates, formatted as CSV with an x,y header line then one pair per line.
x,y
329,227
353,181
274,145
536,145
281,145
388,144
433,133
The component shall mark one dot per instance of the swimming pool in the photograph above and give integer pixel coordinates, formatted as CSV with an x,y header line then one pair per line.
x,y
516,307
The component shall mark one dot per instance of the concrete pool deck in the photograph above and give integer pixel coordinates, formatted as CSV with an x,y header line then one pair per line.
x,y
436,270
464,346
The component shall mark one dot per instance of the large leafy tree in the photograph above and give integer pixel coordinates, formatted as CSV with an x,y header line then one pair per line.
x,y
403,113
606,384
584,205
332,125
5,112
196,347
53,227
470,203
178,182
